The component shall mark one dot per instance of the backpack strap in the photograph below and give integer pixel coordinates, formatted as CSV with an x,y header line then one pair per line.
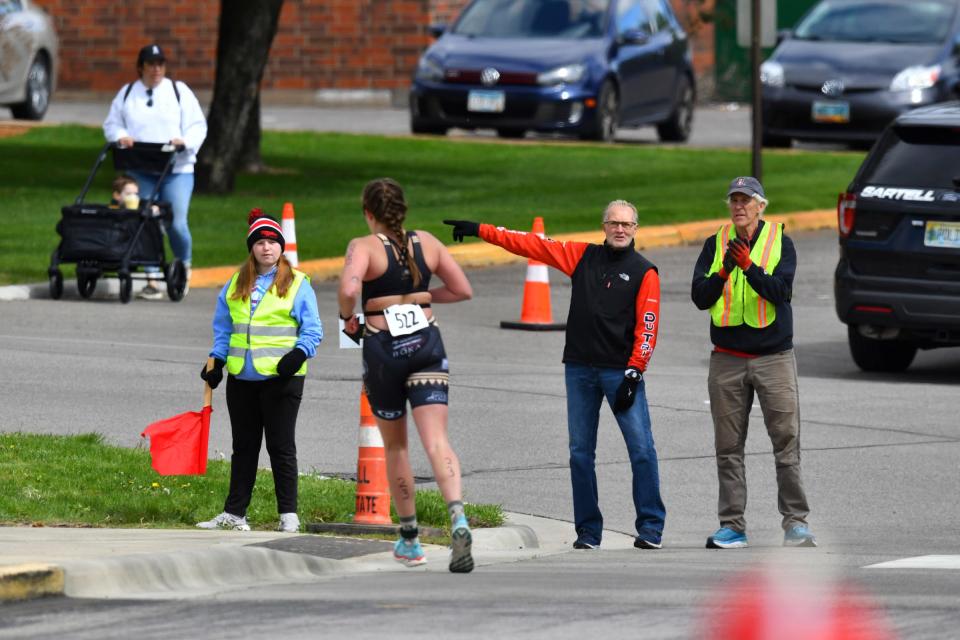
x,y
129,88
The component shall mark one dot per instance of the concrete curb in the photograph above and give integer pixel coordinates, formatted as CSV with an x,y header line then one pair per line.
x,y
184,562
29,581
472,255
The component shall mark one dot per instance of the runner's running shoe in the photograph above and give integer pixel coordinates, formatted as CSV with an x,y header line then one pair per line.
x,y
460,542
409,552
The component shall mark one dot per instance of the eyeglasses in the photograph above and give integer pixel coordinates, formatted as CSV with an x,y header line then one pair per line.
x,y
149,97
613,224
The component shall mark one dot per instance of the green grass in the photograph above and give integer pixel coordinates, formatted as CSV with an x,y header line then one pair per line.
x,y
323,174
80,481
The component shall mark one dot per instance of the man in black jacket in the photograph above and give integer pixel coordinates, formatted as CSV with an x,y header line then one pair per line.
x,y
611,332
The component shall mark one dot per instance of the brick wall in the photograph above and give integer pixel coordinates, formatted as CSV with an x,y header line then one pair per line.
x,y
320,44
341,44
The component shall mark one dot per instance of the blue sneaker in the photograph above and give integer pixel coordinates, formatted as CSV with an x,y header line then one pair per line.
x,y
460,543
799,536
727,538
409,552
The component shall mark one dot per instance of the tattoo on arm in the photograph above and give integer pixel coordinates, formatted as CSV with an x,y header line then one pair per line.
x,y
349,258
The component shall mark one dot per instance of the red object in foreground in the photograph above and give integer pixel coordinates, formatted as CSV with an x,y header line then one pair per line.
x,y
178,445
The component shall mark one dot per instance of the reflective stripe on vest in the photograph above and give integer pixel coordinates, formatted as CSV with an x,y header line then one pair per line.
x,y
739,303
269,335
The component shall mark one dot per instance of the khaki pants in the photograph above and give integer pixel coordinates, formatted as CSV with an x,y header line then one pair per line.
x,y
732,382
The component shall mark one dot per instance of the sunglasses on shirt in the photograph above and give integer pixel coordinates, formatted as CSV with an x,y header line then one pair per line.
x,y
149,97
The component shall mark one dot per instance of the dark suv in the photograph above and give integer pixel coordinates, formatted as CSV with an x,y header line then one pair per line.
x,y
897,284
583,67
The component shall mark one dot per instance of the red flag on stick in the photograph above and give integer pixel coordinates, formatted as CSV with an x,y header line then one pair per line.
x,y
178,445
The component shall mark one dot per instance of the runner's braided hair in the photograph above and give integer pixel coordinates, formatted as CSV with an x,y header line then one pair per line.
x,y
383,198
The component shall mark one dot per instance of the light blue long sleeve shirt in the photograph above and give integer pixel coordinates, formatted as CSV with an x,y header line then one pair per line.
x,y
305,312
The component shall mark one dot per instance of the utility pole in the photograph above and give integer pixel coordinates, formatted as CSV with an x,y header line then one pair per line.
x,y
757,115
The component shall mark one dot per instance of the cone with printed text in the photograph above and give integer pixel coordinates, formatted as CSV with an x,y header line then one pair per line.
x,y
536,314
289,234
373,489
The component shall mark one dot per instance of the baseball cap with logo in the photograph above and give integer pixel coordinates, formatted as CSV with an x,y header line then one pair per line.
x,y
151,53
746,184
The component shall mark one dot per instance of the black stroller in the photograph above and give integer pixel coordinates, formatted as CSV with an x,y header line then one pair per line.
x,y
103,241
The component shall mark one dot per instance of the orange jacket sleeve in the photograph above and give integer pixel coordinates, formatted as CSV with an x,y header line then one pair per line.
x,y
560,255
648,321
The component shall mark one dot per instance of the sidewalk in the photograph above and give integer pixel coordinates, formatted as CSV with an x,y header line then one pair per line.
x,y
470,255
174,563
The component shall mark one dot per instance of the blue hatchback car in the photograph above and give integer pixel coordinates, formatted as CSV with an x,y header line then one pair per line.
x,y
583,67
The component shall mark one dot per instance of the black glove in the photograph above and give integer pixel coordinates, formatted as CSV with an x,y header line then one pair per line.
x,y
291,362
627,390
463,228
728,262
215,375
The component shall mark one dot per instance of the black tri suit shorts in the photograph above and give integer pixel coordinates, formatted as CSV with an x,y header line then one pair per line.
x,y
398,369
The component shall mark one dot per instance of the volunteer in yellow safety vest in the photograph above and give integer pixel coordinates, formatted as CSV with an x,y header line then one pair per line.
x,y
265,327
744,276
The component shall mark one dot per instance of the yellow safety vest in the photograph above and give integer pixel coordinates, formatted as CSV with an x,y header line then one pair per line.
x,y
739,303
269,335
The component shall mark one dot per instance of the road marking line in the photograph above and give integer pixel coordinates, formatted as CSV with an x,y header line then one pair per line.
x,y
919,562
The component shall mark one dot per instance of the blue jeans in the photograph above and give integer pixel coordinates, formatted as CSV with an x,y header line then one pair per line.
x,y
587,386
177,188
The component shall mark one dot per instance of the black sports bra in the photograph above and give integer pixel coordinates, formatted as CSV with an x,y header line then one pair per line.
x,y
396,280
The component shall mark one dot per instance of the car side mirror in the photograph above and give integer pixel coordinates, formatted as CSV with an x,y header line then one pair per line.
x,y
437,30
634,36
784,34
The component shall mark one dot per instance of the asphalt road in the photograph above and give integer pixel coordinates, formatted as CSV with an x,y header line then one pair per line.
x,y
880,465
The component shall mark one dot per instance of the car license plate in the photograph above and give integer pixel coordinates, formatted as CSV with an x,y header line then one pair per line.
x,y
486,101
836,112
942,234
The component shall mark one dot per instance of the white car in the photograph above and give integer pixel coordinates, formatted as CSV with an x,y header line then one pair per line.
x,y
28,59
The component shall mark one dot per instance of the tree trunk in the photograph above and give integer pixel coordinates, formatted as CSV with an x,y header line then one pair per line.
x,y
247,28
250,160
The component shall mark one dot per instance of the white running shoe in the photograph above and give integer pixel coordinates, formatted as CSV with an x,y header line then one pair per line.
x,y
289,523
226,521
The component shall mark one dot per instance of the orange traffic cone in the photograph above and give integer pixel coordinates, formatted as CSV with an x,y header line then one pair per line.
x,y
535,315
758,606
373,490
289,234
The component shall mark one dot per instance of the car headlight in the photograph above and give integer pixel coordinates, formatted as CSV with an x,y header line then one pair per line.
x,y
429,70
567,74
915,78
771,74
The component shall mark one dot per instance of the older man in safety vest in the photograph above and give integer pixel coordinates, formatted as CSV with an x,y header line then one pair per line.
x,y
744,276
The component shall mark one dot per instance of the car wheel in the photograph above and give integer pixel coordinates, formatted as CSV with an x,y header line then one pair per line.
x,y
37,97
775,142
888,356
511,133
605,117
420,127
678,127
